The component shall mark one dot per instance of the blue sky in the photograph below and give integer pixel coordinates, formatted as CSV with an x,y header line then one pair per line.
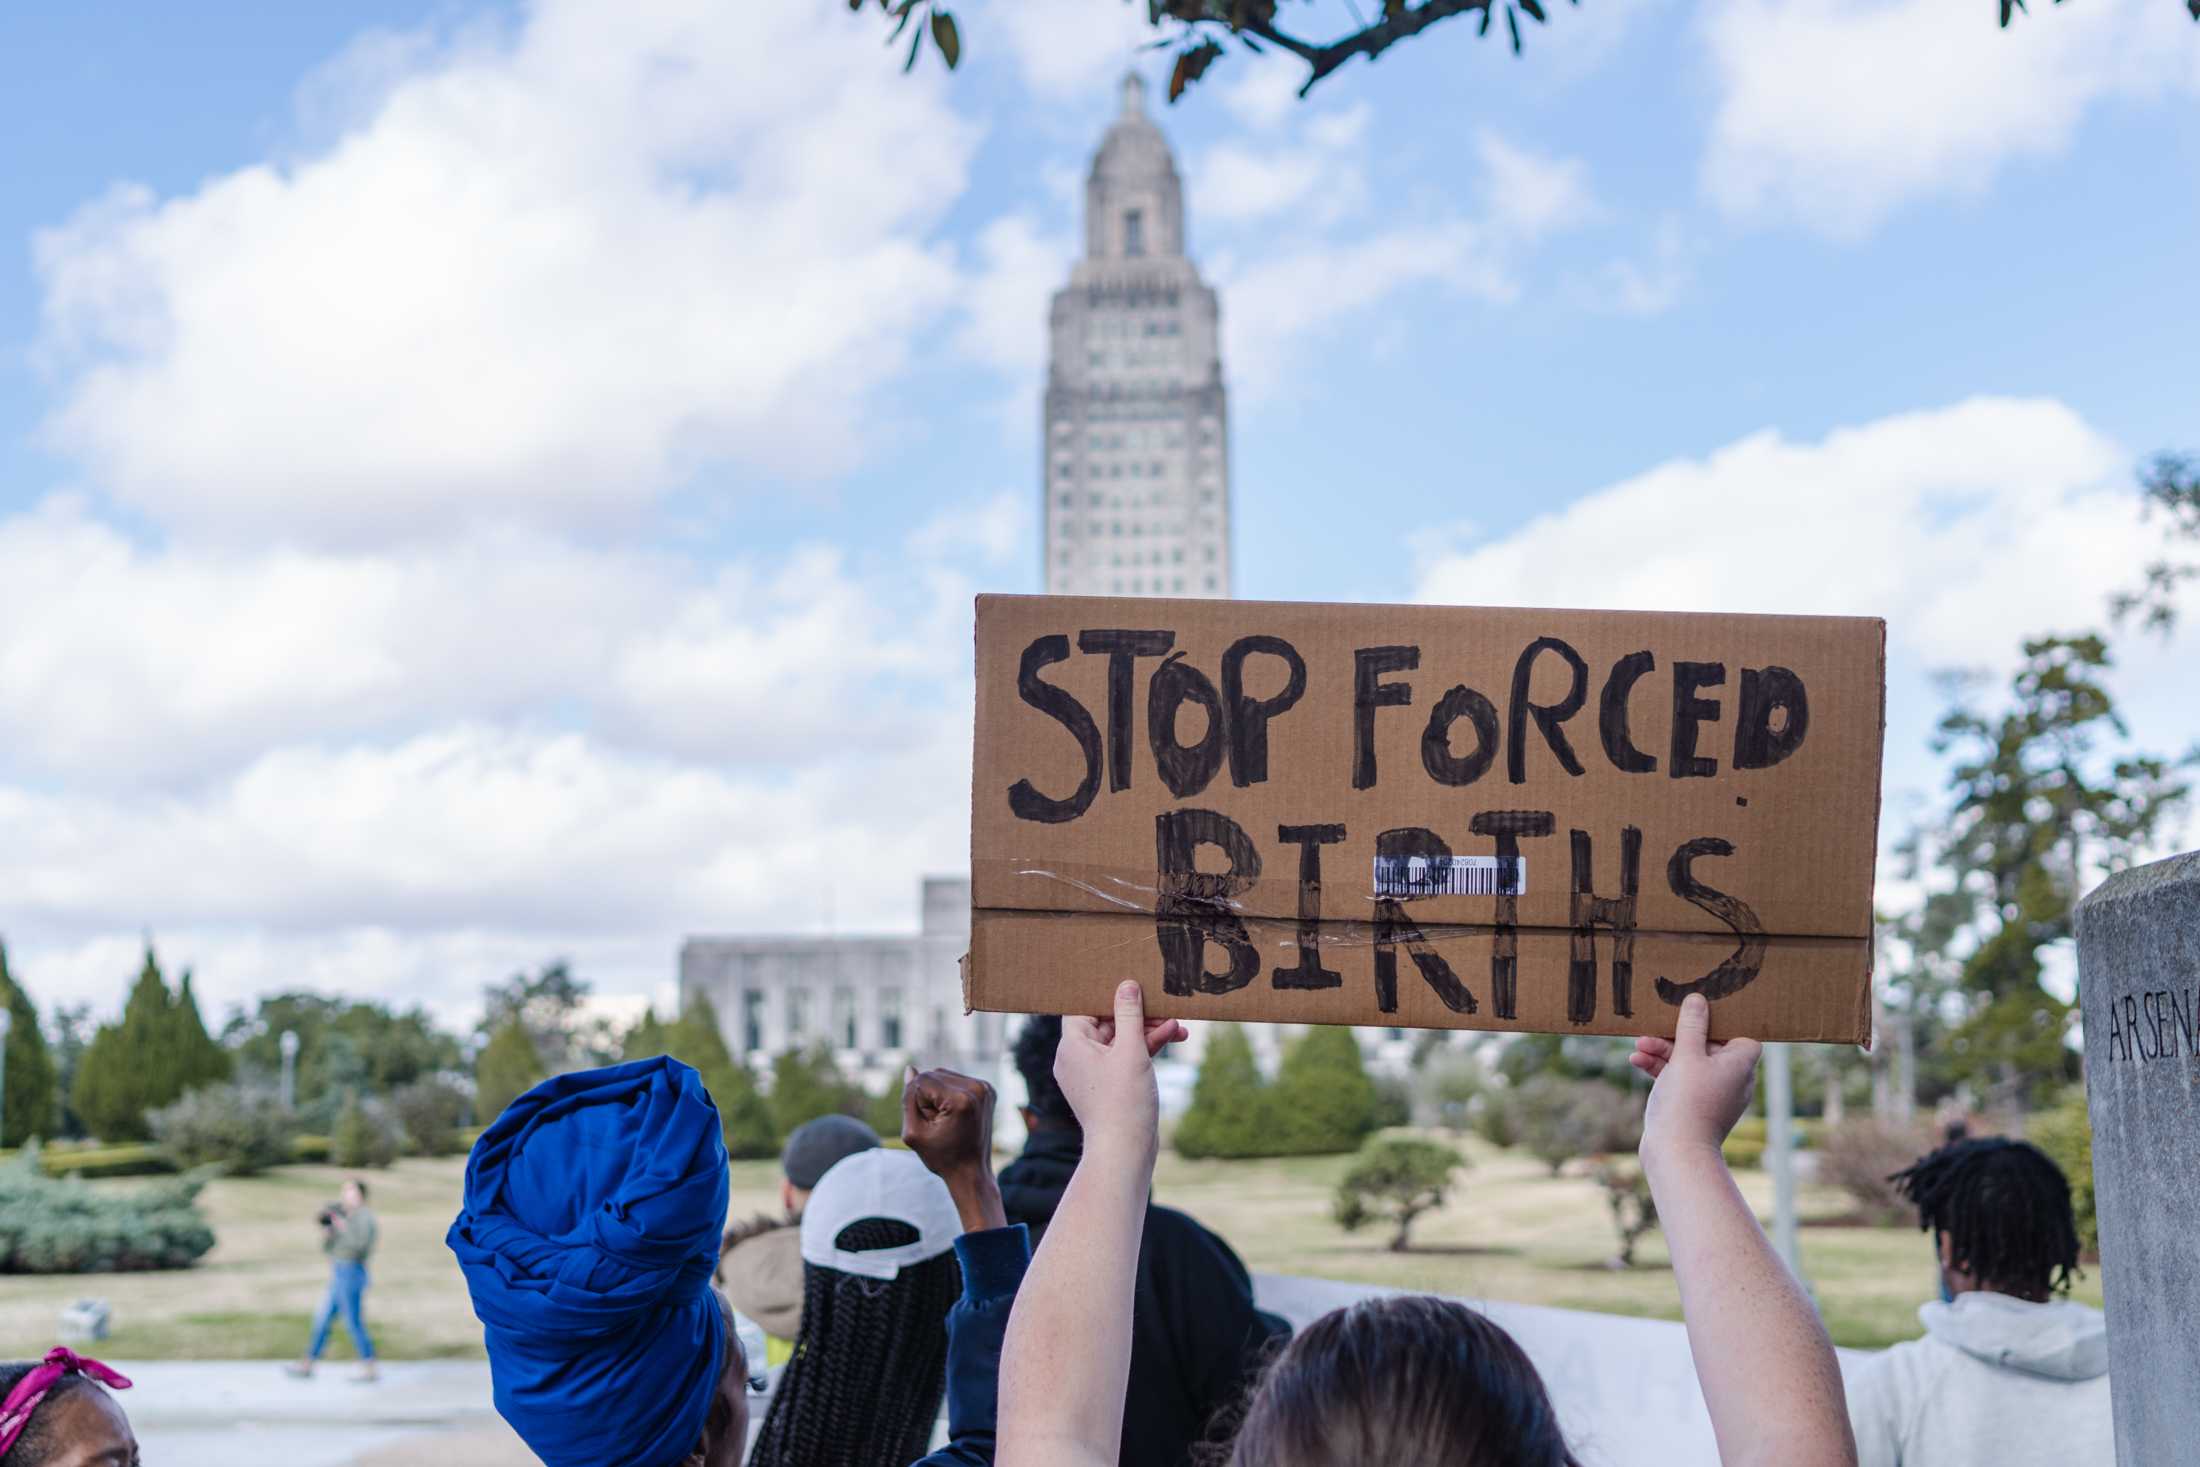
x,y
457,464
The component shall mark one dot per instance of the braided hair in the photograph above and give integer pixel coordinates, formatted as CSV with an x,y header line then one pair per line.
x,y
870,1361
36,1445
2004,1207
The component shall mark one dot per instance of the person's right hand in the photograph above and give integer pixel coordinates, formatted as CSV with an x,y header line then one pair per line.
x,y
947,1120
1105,1069
1701,1089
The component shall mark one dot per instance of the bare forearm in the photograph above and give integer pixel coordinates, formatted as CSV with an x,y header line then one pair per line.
x,y
1767,1368
977,1198
1066,1362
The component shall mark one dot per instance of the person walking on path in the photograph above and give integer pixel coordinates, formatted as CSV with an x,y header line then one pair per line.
x,y
348,1235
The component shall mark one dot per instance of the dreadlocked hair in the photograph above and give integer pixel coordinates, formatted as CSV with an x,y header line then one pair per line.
x,y
2004,1207
36,1445
870,1361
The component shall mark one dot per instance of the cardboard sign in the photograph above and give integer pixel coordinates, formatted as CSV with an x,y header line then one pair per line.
x,y
1443,817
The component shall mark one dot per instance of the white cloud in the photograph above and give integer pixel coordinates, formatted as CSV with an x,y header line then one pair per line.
x,y
544,276
1644,284
1276,302
1962,526
1317,174
1069,50
124,664
1004,298
1834,113
1532,194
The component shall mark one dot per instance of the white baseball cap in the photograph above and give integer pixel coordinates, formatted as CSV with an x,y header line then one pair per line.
x,y
880,1183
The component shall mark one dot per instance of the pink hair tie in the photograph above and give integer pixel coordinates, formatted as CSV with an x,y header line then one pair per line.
x,y
15,1412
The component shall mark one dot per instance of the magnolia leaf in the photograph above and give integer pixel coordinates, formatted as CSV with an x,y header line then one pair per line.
x,y
1534,8
2009,8
915,42
947,38
1512,23
1484,28
1191,66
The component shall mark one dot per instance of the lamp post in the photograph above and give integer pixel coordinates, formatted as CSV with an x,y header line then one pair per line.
x,y
1780,1154
6,1021
288,1043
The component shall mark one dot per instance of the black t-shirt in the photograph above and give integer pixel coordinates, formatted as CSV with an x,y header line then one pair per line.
x,y
1196,1337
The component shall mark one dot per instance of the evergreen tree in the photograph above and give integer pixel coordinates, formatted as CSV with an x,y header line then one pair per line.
x,y
1322,1097
807,1084
1230,1113
132,1067
197,1059
28,1104
507,1068
744,1117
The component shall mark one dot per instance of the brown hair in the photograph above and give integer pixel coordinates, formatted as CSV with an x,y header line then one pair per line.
x,y
1404,1379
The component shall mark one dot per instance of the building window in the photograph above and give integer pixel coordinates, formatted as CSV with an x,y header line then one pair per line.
x,y
889,1018
798,1015
1210,583
1134,232
752,1019
844,1017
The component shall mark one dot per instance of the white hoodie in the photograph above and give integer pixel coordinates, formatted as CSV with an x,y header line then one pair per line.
x,y
1996,1382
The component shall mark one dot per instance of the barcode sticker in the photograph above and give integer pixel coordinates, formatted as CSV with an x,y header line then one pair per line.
x,y
1419,876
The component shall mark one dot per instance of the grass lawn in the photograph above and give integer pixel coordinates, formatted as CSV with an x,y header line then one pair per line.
x,y
1511,1232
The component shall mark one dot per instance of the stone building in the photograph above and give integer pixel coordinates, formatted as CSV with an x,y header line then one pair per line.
x,y
876,1000
1136,457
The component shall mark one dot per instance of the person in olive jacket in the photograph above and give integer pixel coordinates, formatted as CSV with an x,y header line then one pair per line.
x,y
348,1235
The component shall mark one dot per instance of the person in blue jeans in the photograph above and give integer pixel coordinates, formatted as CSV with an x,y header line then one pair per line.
x,y
348,1236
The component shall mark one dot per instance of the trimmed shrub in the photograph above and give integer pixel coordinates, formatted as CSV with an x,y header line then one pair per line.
x,y
428,1114
2065,1133
49,1226
1322,1094
366,1135
241,1129
1859,1156
92,1162
1560,1119
1229,1114
1745,1144
1634,1209
1395,1180
1496,1119
310,1149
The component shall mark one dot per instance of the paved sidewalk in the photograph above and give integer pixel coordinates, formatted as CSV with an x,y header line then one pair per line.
x,y
1624,1388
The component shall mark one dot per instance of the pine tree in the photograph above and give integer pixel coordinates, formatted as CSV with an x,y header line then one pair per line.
x,y
132,1067
1322,1095
29,1103
807,1084
1230,1113
695,1039
198,1059
506,1069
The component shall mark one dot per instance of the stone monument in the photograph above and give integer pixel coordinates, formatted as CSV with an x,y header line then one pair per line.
x,y
2139,990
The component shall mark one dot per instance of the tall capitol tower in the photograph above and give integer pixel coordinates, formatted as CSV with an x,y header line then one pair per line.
x,y
1137,458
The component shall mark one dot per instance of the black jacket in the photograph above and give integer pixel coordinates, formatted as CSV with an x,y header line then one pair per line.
x,y
1196,1338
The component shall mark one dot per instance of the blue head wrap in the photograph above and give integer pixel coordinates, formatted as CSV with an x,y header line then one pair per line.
x,y
591,1222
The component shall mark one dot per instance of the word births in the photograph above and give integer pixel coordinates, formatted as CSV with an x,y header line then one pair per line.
x,y
1194,910
2150,1026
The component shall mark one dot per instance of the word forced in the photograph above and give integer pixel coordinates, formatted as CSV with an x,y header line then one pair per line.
x,y
1426,816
